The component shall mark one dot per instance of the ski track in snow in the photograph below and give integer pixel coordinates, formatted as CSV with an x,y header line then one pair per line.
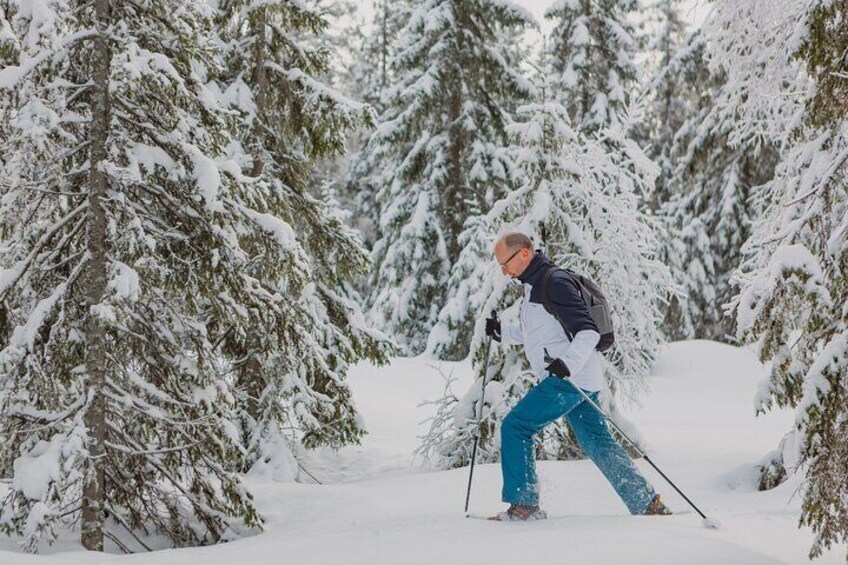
x,y
378,506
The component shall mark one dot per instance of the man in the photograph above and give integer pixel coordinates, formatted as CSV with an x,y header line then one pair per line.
x,y
575,363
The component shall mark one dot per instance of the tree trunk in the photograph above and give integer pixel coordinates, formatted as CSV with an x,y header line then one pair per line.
x,y
456,192
249,368
94,286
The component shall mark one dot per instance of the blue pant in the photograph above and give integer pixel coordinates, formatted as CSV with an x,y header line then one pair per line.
x,y
549,400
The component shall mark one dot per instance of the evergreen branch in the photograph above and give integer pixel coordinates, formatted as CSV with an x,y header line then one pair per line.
x,y
52,418
834,168
23,266
13,74
34,211
60,247
165,473
116,541
124,449
56,192
143,406
80,90
120,519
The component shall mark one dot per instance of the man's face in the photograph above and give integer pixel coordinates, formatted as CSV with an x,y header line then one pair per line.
x,y
512,261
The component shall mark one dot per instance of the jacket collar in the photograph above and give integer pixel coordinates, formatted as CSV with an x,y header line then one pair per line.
x,y
537,268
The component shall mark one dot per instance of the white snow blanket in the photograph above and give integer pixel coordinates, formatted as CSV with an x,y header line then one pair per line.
x,y
378,506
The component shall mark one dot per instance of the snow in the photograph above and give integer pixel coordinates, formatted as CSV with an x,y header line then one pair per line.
x,y
829,361
281,231
9,276
11,75
33,473
795,263
124,281
24,336
239,96
149,157
207,175
378,506
105,312
466,410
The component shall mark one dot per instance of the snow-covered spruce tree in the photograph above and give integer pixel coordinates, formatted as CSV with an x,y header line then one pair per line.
x,y
763,71
371,73
437,153
592,47
9,52
793,300
341,36
452,334
8,40
8,56
665,91
290,117
587,195
707,206
130,247
369,76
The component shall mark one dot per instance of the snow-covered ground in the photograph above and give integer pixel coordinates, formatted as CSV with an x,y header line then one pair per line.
x,y
376,507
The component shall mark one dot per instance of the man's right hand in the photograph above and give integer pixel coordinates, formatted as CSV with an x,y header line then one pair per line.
x,y
493,328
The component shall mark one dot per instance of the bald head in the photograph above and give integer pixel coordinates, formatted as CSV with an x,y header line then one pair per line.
x,y
513,252
515,240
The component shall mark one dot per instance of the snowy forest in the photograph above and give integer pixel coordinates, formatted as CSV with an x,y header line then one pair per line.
x,y
211,210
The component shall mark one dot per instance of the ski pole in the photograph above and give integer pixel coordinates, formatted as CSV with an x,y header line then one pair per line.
x,y
549,359
480,417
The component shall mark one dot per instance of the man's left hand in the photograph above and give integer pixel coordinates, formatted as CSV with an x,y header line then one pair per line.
x,y
558,368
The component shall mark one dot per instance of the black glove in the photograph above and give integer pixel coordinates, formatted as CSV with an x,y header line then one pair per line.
x,y
493,328
557,367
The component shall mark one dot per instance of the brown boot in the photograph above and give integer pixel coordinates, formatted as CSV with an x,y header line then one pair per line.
x,y
657,508
520,513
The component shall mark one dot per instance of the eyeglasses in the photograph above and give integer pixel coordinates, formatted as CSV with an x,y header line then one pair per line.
x,y
504,264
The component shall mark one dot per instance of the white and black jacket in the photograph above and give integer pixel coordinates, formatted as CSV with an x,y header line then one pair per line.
x,y
539,330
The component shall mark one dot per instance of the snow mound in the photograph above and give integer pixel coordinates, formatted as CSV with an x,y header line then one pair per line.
x,y
378,506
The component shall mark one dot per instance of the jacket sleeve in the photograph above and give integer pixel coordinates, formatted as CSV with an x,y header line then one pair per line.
x,y
577,353
511,334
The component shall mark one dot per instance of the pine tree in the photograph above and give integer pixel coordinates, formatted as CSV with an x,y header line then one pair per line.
x,y
290,117
587,195
707,203
825,399
793,285
592,48
369,79
131,243
666,91
436,154
9,53
8,41
371,73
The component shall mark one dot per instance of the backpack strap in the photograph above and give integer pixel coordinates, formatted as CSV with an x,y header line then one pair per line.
x,y
546,299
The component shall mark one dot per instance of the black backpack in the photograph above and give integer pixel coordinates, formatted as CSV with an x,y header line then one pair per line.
x,y
595,300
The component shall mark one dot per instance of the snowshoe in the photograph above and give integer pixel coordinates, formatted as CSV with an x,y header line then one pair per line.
x,y
520,513
657,508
